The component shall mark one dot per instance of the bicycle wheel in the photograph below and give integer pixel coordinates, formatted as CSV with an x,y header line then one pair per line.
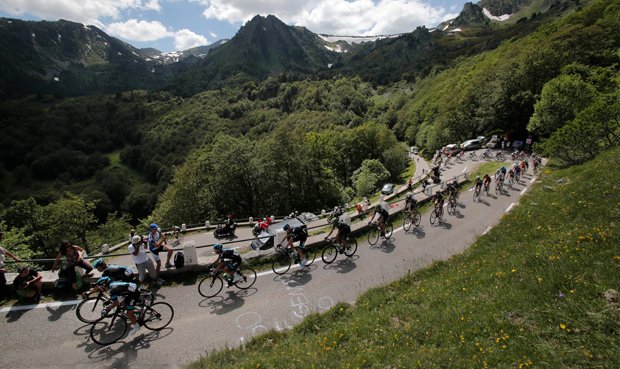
x,y
373,235
310,255
249,278
389,229
282,263
351,247
433,216
329,254
407,222
89,310
157,316
210,286
416,218
108,330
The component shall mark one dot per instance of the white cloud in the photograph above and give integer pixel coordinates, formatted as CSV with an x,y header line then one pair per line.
x,y
213,34
152,5
185,39
351,17
139,30
83,11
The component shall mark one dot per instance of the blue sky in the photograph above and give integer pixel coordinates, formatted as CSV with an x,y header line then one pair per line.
x,y
170,25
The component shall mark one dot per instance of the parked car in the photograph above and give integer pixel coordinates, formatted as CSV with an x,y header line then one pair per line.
x,y
493,142
451,149
388,189
414,150
471,144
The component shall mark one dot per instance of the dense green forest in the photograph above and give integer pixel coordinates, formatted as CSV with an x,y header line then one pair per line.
x,y
70,167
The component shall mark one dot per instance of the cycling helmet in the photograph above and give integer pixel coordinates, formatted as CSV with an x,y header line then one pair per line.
x,y
153,225
104,281
217,247
98,262
286,227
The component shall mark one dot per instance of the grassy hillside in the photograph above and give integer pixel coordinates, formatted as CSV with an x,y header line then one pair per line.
x,y
536,291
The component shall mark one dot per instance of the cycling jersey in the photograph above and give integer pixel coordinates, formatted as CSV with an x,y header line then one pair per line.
x,y
118,273
125,292
231,258
299,234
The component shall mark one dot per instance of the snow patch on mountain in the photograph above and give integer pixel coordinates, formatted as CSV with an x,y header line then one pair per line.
x,y
500,18
355,39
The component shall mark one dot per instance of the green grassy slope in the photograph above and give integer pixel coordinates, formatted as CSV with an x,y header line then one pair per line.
x,y
536,291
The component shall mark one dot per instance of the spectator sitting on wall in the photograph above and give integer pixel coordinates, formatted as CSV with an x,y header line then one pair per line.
x,y
28,284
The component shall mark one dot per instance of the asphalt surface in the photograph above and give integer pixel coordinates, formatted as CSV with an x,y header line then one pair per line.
x,y
50,335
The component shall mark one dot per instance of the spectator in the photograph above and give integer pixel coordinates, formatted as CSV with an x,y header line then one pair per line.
x,y
158,243
3,251
28,284
137,249
74,256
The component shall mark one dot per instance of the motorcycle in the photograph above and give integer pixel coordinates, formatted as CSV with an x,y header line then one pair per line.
x,y
261,226
225,232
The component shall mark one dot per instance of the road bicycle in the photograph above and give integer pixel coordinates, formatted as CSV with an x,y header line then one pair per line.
x,y
499,187
212,284
177,236
452,204
411,217
286,256
89,309
436,214
375,232
511,181
112,327
477,190
473,156
334,248
500,156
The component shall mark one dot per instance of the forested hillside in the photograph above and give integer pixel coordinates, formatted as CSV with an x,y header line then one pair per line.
x,y
286,143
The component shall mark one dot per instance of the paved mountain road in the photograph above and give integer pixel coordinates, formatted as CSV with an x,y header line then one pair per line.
x,y
52,337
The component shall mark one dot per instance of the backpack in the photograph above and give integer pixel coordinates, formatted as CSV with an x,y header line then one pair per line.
x,y
179,260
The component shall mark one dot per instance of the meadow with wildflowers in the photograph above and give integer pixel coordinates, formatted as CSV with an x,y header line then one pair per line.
x,y
540,290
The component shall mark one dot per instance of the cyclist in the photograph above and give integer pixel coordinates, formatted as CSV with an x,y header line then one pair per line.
x,y
452,189
486,182
511,176
478,184
294,234
115,272
126,293
382,210
438,200
410,202
157,243
228,260
343,231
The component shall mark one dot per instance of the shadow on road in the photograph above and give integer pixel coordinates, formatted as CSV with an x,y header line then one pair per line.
x,y
444,224
124,352
343,265
228,300
299,277
56,313
385,245
419,232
